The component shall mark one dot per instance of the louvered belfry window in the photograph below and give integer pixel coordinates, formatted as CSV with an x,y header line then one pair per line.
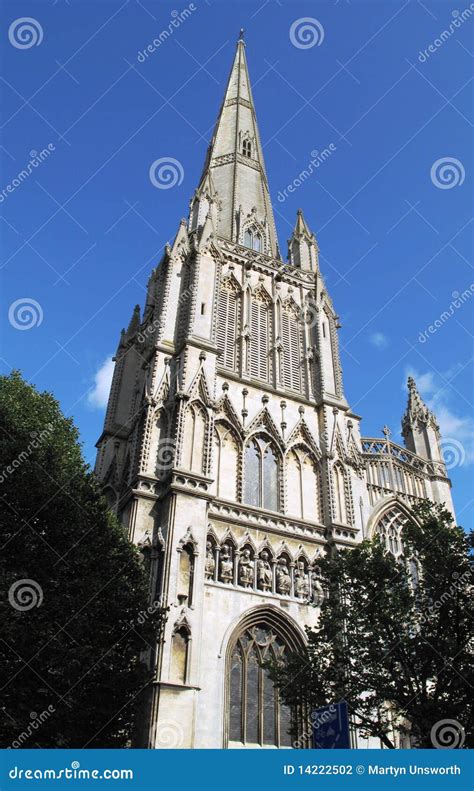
x,y
291,332
227,326
260,342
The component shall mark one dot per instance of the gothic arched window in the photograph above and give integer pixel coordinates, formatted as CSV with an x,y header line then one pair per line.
x,y
226,459
228,325
247,148
340,494
253,240
292,339
303,484
194,437
389,528
260,323
186,575
261,474
180,655
256,716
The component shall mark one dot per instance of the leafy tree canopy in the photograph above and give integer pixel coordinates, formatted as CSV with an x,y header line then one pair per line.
x,y
394,637
75,611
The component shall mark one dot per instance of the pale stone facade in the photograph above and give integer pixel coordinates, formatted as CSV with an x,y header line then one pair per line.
x,y
231,455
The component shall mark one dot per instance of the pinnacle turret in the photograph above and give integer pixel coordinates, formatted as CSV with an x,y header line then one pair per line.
x,y
303,250
420,429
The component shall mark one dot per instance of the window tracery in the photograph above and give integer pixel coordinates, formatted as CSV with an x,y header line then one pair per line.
x,y
261,474
389,527
256,714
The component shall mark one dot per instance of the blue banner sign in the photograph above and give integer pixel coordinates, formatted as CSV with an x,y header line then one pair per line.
x,y
331,727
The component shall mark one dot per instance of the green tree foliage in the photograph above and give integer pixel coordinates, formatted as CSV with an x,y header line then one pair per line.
x,y
394,637
75,631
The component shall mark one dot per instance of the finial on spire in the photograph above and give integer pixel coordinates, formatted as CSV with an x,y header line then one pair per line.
x,y
241,34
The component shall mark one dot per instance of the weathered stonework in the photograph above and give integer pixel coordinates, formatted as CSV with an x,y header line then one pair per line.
x,y
230,453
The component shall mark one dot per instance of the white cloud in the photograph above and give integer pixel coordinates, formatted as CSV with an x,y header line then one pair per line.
x,y
379,340
454,426
99,395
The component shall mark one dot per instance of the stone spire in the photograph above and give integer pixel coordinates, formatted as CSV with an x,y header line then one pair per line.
x,y
234,176
303,250
419,427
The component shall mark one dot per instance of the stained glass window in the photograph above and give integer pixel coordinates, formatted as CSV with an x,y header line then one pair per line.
x,y
256,715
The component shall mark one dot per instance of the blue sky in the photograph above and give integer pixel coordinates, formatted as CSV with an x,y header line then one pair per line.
x,y
391,209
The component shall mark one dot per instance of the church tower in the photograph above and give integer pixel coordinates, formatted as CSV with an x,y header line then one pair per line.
x,y
230,453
